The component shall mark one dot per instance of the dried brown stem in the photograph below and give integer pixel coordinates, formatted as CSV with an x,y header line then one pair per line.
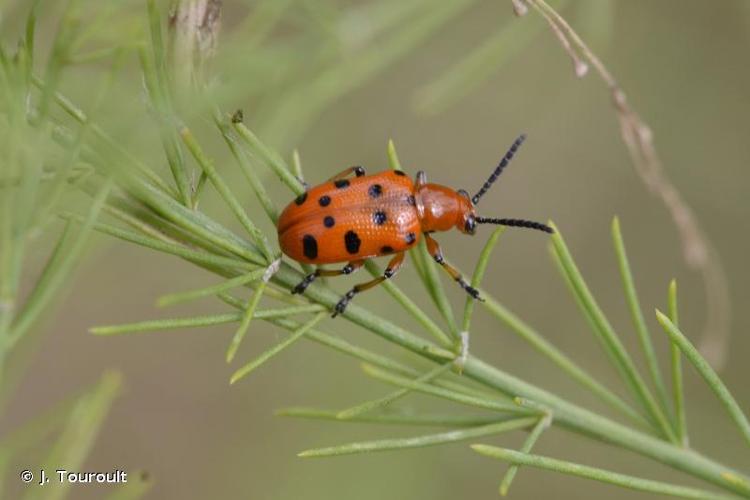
x,y
697,249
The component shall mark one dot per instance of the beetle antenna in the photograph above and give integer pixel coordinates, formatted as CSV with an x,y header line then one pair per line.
x,y
528,224
499,169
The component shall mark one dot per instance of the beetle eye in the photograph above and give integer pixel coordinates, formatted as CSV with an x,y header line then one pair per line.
x,y
470,225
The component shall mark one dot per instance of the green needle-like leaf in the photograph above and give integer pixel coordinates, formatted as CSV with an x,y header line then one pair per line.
x,y
394,418
531,440
639,322
708,374
176,298
374,404
678,391
609,337
605,476
410,306
245,321
248,169
476,279
296,335
569,366
200,321
269,157
297,166
221,186
421,441
158,84
58,268
170,248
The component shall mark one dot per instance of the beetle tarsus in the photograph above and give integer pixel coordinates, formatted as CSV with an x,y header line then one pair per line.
x,y
302,285
470,290
341,304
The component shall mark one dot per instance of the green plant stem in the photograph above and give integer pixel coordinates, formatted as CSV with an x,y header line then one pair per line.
x,y
567,414
485,402
639,322
582,421
362,354
421,441
410,306
543,346
597,474
678,391
708,374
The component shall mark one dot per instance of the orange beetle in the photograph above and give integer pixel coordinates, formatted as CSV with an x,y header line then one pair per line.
x,y
352,220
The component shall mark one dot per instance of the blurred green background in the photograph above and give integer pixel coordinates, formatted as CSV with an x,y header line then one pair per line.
x,y
683,64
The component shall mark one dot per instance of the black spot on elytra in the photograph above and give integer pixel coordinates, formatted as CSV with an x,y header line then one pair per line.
x,y
411,200
386,249
375,190
379,218
341,183
328,221
352,242
310,246
324,200
411,238
299,200
399,172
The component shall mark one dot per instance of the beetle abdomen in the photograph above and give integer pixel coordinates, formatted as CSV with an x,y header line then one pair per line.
x,y
351,219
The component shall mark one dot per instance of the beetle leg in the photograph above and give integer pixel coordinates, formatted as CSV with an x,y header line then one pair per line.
x,y
393,266
357,170
434,248
347,269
